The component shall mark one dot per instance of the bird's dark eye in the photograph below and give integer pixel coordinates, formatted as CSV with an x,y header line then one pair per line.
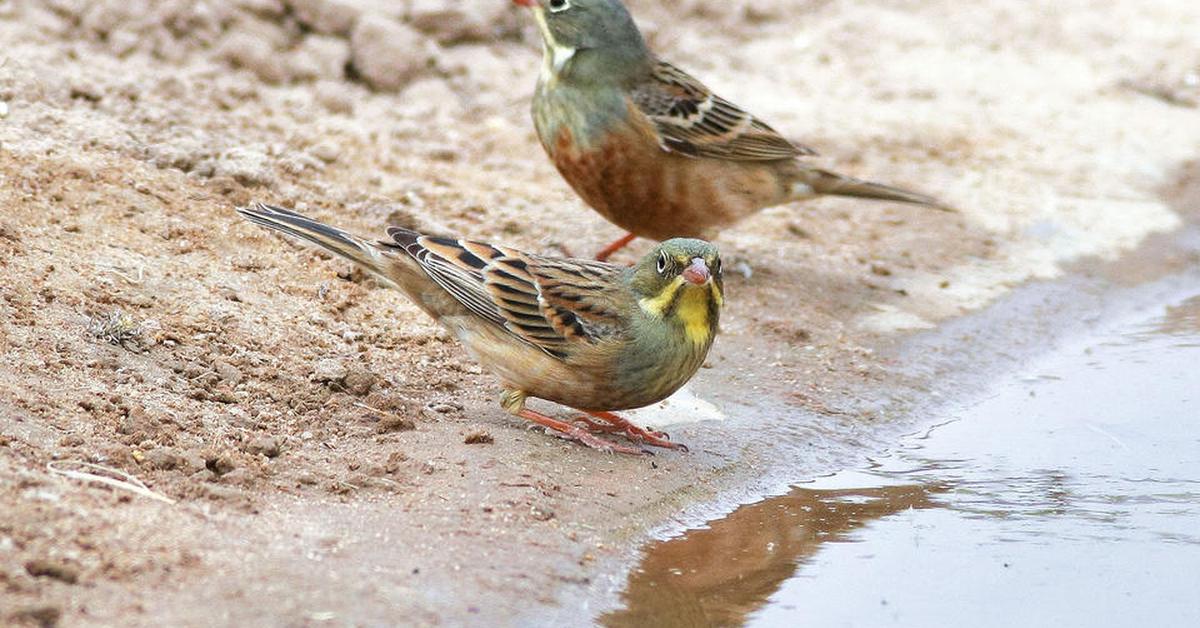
x,y
559,5
716,267
662,263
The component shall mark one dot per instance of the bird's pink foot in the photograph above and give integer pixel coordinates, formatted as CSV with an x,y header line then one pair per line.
x,y
611,423
579,434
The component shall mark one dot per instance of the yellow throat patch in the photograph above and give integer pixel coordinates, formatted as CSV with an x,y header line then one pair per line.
x,y
692,308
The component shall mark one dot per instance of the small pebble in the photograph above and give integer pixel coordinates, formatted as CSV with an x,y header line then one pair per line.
x,y
3,110
479,438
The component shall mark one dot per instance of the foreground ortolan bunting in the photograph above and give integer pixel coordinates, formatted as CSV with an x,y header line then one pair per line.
x,y
651,148
588,335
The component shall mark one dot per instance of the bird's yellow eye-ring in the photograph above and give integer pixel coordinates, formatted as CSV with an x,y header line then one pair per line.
x,y
662,263
559,5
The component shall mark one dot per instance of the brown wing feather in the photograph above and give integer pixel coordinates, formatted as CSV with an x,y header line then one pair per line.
x,y
693,121
581,296
546,302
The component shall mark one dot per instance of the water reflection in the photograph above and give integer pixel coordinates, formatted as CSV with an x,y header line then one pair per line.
x,y
718,575
1069,496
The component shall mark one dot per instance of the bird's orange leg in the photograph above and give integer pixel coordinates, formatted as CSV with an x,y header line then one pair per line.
x,y
619,424
574,432
615,246
598,426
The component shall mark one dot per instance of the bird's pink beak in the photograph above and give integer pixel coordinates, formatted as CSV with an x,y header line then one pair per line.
x,y
697,274
526,3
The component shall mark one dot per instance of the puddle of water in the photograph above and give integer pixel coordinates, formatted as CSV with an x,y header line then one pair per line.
x,y
1069,497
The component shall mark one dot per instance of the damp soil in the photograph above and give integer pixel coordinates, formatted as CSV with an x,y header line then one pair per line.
x,y
330,455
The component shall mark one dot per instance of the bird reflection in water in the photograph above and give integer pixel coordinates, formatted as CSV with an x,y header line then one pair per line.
x,y
718,575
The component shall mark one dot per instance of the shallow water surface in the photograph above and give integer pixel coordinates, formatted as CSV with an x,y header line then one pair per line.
x,y
1069,496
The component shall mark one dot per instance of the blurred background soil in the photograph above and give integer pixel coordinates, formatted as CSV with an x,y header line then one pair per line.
x,y
332,454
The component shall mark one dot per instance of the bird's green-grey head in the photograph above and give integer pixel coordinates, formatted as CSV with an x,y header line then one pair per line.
x,y
680,280
588,41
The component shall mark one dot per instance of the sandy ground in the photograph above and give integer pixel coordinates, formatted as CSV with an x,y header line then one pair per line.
x,y
332,456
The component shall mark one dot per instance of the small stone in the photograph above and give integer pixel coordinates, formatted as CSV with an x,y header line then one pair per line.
x,y
164,458
3,110
388,54
319,57
70,440
248,166
329,370
479,437
219,464
44,615
228,372
135,421
269,446
327,152
394,461
238,477
331,17
243,49
394,423
43,567
359,381
193,461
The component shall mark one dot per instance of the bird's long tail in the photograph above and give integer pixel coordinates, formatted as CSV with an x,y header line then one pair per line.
x,y
353,248
809,182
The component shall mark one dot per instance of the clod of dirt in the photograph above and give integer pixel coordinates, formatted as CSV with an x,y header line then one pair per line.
x,y
394,461
479,437
164,458
359,381
238,477
269,446
250,50
228,372
329,371
330,17
394,423
49,568
219,464
319,57
326,151
42,615
246,165
136,423
388,54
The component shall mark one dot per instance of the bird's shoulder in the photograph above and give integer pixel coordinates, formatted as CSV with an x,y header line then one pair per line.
x,y
552,303
692,120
